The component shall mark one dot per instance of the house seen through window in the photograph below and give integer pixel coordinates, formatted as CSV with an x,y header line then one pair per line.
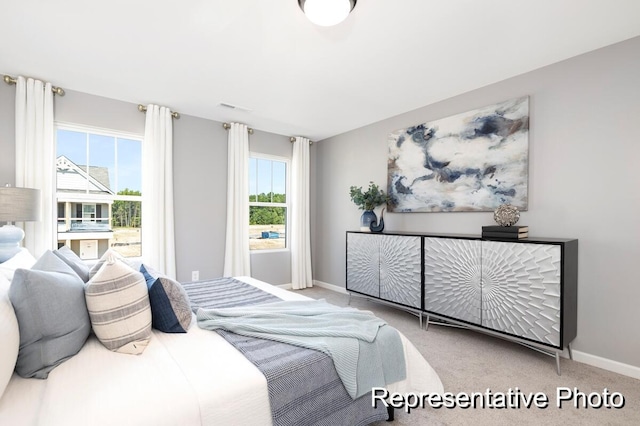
x,y
268,204
98,191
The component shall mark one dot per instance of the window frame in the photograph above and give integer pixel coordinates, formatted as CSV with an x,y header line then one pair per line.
x,y
287,205
101,131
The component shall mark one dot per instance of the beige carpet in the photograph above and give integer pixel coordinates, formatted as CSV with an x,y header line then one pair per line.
x,y
468,362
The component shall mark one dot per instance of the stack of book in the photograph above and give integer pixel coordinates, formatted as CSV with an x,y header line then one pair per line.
x,y
505,232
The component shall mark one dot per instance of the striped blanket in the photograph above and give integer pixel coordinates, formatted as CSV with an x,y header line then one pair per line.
x,y
366,352
304,387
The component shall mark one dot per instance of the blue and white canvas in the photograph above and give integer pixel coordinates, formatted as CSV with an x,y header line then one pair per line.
x,y
474,161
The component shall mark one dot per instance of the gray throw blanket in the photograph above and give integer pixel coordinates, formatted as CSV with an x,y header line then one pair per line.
x,y
365,352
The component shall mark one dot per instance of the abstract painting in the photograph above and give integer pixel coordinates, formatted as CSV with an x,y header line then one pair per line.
x,y
474,161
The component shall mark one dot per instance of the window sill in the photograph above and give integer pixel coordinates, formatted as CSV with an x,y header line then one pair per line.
x,y
284,250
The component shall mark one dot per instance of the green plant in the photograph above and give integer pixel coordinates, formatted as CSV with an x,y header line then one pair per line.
x,y
370,199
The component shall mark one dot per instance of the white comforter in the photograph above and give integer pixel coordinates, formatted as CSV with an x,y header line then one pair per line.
x,y
195,378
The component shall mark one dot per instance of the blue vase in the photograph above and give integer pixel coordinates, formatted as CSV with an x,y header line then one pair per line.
x,y
368,217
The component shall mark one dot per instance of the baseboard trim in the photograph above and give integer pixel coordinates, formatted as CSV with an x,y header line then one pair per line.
x,y
607,364
331,287
285,286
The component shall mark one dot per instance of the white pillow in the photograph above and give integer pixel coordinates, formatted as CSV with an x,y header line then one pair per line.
x,y
110,254
9,335
23,259
118,303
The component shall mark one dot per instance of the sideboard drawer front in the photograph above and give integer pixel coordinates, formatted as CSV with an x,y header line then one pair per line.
x,y
452,278
521,293
363,263
400,270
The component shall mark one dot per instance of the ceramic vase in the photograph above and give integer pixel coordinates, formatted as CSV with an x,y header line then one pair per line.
x,y
368,217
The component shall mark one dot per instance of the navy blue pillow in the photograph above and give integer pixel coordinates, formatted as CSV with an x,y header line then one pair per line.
x,y
170,307
148,275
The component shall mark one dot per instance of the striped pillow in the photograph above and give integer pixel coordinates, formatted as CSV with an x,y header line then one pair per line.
x,y
110,254
118,304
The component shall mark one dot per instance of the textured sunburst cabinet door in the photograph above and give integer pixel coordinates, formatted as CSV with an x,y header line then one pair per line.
x,y
388,267
401,269
452,278
521,290
363,263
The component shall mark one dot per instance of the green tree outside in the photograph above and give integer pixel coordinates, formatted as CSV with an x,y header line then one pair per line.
x,y
126,214
262,215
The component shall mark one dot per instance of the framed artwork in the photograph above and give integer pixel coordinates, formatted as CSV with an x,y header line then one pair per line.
x,y
474,161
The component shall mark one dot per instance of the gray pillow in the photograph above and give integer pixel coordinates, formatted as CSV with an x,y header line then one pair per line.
x,y
72,259
52,315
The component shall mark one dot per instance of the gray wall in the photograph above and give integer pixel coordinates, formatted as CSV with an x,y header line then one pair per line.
x,y
583,183
200,177
7,134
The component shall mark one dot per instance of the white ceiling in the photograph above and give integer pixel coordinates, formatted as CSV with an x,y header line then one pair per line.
x,y
387,58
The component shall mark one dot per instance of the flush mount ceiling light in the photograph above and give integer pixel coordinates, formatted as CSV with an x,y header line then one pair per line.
x,y
327,12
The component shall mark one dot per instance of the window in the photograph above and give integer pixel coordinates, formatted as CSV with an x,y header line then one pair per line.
x,y
268,204
98,190
88,212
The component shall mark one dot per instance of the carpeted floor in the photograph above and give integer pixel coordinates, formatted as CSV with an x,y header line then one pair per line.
x,y
468,362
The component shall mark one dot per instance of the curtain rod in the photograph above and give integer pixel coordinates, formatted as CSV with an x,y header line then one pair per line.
x,y
227,126
56,90
292,140
174,114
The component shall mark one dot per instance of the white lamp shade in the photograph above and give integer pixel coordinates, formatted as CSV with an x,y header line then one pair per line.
x,y
326,12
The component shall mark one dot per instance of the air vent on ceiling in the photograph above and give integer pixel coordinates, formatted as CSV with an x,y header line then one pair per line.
x,y
231,106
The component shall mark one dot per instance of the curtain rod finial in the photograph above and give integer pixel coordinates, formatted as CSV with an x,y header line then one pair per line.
x,y
227,126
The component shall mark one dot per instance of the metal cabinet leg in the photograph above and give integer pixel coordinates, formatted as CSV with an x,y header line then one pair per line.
x,y
570,353
426,324
558,363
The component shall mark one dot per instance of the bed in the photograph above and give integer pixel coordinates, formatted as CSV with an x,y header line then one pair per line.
x,y
194,378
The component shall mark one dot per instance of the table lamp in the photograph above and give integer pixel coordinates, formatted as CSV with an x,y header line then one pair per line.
x,y
16,205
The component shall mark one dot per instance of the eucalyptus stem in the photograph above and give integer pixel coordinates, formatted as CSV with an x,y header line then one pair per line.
x,y
369,199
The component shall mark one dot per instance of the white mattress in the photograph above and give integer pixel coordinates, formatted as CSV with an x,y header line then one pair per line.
x,y
195,378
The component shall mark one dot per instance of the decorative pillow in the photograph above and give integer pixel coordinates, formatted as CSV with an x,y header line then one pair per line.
x,y
52,315
109,254
22,259
118,302
170,307
72,259
9,336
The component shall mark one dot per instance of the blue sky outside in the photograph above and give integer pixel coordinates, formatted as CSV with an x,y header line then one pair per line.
x,y
103,151
266,176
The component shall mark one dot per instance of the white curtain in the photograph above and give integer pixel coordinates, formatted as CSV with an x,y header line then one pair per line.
x,y
300,221
158,238
236,254
35,158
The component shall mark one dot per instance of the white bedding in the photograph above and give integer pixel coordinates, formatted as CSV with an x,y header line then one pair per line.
x,y
195,378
